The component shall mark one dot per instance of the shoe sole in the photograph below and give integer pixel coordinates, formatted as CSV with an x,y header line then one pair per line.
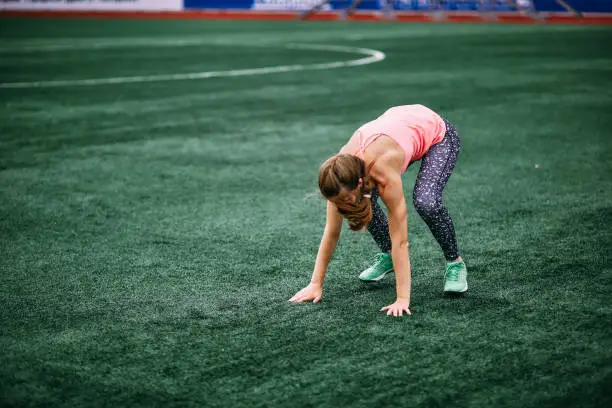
x,y
456,292
377,279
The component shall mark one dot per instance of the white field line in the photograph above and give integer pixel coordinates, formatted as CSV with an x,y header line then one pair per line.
x,y
75,44
372,56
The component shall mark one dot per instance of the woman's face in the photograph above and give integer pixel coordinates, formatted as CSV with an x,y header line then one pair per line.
x,y
349,196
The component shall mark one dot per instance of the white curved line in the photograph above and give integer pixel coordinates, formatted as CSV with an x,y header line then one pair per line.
x,y
72,44
372,56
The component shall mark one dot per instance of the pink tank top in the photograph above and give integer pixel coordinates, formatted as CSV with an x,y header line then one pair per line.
x,y
414,127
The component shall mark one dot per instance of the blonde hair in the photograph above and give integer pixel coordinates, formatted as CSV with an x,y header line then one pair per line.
x,y
342,172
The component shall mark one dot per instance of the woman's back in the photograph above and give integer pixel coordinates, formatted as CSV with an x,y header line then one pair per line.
x,y
415,128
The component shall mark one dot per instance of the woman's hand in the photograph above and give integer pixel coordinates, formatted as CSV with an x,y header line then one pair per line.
x,y
313,291
398,308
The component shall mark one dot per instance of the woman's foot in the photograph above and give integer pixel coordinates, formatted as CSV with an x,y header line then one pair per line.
x,y
455,278
383,264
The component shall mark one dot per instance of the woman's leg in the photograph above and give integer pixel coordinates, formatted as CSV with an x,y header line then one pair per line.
x,y
379,229
379,226
436,167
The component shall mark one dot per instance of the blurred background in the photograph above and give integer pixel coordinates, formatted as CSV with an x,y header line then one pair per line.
x,y
576,7
159,204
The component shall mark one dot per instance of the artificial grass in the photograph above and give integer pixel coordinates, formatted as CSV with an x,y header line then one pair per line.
x,y
151,234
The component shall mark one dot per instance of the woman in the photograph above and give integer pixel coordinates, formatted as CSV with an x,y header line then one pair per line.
x,y
369,166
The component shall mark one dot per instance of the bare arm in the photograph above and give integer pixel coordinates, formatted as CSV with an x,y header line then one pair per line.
x,y
393,197
331,234
333,226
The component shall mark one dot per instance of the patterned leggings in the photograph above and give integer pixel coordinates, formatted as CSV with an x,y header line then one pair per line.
x,y
436,167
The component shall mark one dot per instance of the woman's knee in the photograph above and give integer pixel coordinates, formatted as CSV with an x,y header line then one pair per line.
x,y
427,205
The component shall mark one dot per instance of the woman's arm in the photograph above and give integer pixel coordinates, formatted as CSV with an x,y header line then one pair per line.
x,y
329,241
393,196
330,238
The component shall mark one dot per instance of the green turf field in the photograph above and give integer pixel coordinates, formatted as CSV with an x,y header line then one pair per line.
x,y
151,233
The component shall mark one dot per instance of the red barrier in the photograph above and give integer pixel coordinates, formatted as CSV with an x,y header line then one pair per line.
x,y
455,17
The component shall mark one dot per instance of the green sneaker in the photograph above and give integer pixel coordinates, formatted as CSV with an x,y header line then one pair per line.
x,y
383,264
455,279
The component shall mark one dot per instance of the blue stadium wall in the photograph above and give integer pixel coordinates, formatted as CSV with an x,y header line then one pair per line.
x,y
587,6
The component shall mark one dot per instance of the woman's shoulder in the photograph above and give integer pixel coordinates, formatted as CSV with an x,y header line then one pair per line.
x,y
384,167
352,146
386,158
